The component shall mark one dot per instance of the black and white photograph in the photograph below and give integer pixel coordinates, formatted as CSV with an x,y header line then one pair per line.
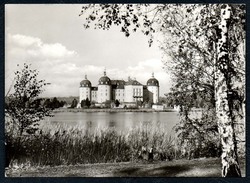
x,y
125,90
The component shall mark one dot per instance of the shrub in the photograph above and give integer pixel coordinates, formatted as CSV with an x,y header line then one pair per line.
x,y
198,135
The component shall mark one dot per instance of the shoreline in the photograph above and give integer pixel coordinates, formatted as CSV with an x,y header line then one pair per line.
x,y
111,110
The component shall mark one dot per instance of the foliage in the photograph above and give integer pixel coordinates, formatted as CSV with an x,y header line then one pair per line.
x,y
163,100
74,103
129,17
117,103
54,104
199,79
88,102
47,103
198,134
85,103
23,107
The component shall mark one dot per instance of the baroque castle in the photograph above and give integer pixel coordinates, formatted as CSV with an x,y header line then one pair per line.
x,y
126,92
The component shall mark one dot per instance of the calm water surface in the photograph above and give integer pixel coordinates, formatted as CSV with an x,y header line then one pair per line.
x,y
120,121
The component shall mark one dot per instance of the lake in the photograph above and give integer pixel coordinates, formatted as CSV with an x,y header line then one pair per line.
x,y
120,121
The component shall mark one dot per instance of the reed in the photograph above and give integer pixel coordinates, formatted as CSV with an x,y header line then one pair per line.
x,y
70,146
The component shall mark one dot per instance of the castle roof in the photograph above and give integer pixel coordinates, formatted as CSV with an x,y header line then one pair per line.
x,y
85,82
94,88
133,82
104,80
117,84
152,81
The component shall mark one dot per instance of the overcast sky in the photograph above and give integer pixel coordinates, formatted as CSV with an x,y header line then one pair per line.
x,y
53,40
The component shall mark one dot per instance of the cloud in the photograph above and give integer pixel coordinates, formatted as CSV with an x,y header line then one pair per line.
x,y
65,69
24,41
33,47
56,50
51,59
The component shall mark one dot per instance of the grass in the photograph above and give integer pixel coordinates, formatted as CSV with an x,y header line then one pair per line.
x,y
75,146
203,167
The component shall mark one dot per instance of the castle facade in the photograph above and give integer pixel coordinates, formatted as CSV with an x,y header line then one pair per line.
x,y
126,92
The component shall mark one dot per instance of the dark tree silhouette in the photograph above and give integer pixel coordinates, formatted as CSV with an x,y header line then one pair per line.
x,y
87,102
117,103
74,103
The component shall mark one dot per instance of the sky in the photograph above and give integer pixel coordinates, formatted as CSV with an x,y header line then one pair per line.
x,y
52,39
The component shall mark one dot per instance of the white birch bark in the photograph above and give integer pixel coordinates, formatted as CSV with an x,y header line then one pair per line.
x,y
230,166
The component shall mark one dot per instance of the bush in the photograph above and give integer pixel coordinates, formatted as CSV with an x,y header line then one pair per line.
x,y
198,135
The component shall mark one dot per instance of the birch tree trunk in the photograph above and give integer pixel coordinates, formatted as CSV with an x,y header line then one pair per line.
x,y
224,111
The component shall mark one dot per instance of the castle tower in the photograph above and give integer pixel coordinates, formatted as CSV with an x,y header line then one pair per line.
x,y
85,90
104,89
153,87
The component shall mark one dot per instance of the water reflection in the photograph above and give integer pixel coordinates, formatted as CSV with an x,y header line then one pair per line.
x,y
112,124
120,121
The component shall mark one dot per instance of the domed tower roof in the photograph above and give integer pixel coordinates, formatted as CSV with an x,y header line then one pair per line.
x,y
104,80
85,82
152,81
